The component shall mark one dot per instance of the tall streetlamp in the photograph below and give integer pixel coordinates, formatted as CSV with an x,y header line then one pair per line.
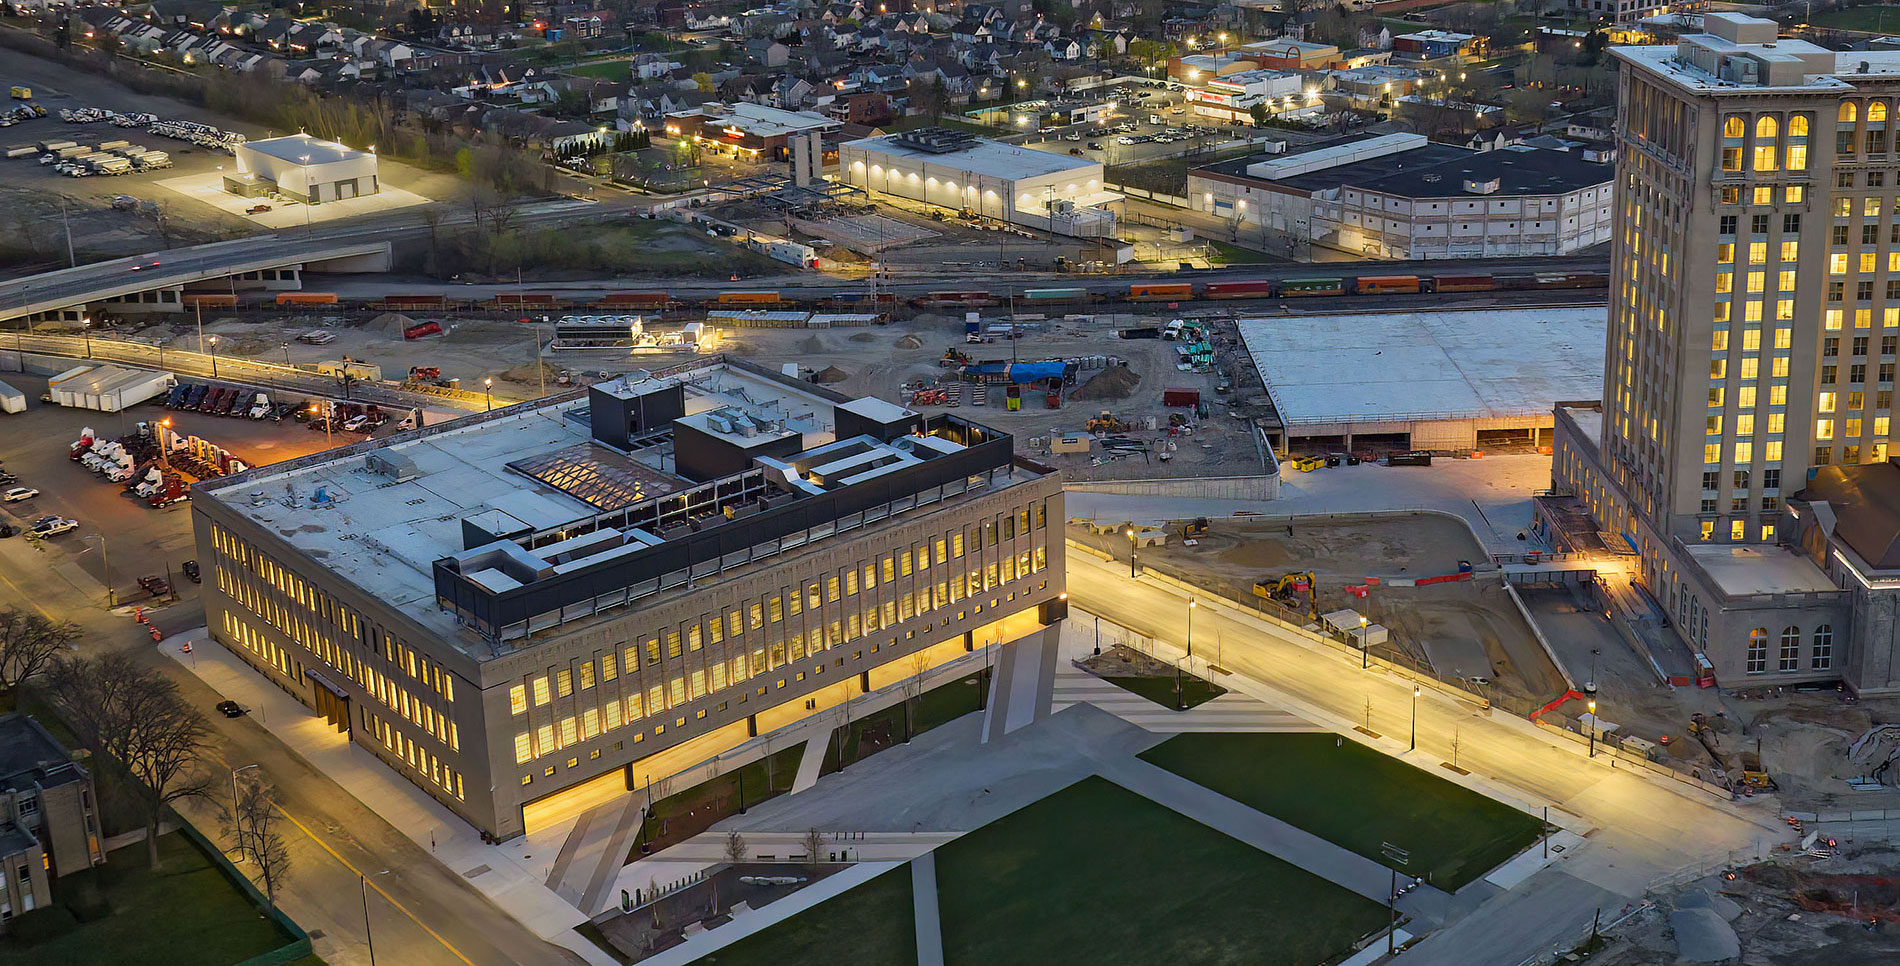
x,y
112,596
368,935
1365,656
214,357
329,419
287,355
1593,727
1131,553
488,390
1415,690
86,330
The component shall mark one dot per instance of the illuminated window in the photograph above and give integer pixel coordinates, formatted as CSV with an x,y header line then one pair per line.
x,y
517,700
541,693
524,748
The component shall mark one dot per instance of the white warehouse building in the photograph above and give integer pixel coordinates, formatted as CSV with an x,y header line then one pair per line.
x,y
1400,196
1035,189
308,169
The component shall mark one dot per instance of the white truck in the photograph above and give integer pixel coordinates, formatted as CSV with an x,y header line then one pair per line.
x,y
153,159
261,407
109,164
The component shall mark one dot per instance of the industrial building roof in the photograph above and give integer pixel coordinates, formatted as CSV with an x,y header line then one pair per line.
x,y
105,380
1422,366
985,157
1865,499
304,149
1426,170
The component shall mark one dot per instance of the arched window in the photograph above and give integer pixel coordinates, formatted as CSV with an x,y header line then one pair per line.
x,y
1757,650
1850,112
1798,126
1734,127
1876,112
1821,657
1766,127
1790,656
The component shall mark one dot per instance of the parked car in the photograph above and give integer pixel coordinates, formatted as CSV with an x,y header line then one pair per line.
x,y
230,709
191,571
18,493
1095,145
53,526
155,585
256,209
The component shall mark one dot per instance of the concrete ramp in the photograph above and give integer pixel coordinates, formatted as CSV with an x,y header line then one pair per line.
x,y
595,850
1023,684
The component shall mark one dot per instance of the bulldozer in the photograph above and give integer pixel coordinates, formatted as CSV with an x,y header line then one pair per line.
x,y
1285,589
1107,422
1194,527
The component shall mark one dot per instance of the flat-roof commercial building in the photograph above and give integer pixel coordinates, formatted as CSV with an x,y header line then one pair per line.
x,y
754,132
309,169
515,610
1036,189
1402,196
1754,326
1426,380
1230,99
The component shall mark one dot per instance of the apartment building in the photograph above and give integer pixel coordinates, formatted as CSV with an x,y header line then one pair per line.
x,y
1754,316
49,820
568,599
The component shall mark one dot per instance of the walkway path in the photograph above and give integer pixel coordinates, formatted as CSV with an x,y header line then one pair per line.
x,y
1229,712
813,759
923,891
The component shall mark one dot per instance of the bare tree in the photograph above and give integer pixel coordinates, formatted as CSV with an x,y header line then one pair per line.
x,y
135,718
736,849
1454,746
28,644
913,687
253,825
814,846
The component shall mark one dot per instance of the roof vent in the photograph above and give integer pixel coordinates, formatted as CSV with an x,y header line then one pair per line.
x,y
396,466
1487,187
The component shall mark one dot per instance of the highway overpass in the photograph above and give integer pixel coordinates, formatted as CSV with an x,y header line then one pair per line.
x,y
120,277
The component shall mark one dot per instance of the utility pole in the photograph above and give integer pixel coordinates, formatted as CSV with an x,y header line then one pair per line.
x,y
368,935
72,260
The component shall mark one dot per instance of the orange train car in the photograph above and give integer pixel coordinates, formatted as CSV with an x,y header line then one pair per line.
x,y
1161,292
749,298
209,300
1386,285
286,299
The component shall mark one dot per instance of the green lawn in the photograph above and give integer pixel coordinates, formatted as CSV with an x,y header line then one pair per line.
x,y
185,914
1873,19
871,924
1194,691
1225,254
606,69
1356,798
690,811
1097,874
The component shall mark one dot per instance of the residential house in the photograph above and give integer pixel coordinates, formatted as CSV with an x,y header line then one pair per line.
x,y
49,821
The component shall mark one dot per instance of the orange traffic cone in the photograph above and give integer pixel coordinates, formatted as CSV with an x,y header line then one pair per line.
x,y
187,647
156,636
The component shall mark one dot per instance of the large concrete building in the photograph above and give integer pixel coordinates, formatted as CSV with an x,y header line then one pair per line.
x,y
524,611
1402,196
1037,189
1754,316
308,169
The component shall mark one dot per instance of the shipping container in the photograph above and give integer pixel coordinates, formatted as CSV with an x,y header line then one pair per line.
x,y
749,299
113,145
1304,287
403,303
933,300
22,151
11,400
305,298
1414,458
422,330
209,300
634,300
1386,284
1055,295
1145,332
1160,291
1462,283
54,145
1239,290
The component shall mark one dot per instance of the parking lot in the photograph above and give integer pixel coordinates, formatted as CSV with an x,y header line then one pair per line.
x,y
139,540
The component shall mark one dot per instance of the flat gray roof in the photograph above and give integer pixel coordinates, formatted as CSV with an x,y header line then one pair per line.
x,y
991,158
385,536
1741,571
1416,366
296,146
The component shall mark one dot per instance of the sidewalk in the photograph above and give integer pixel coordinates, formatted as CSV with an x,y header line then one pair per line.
x,y
517,890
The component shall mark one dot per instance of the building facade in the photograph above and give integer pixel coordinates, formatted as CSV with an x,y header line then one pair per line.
x,y
1754,315
49,820
522,609
1036,189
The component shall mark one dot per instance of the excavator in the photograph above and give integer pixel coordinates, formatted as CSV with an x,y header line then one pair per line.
x,y
1284,590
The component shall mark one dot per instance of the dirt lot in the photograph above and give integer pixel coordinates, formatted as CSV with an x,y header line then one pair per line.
x,y
30,193
1795,911
1236,552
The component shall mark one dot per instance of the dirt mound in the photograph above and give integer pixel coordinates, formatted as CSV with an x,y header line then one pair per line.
x,y
1115,382
830,374
864,337
812,343
911,341
525,373
389,322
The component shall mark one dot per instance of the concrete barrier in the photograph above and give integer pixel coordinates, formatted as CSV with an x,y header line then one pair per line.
x,y
1212,488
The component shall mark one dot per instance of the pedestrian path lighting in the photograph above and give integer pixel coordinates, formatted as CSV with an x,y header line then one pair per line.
x,y
1365,656
1415,690
488,390
1593,727
1131,552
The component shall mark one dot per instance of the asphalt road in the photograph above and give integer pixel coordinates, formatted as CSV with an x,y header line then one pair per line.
x,y
1646,829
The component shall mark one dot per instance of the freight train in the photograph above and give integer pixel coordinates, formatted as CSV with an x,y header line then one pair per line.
x,y
662,302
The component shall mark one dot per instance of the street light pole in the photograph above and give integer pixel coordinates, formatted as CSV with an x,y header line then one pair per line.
x,y
1365,656
488,390
1593,727
1131,553
112,595
214,357
369,935
1415,690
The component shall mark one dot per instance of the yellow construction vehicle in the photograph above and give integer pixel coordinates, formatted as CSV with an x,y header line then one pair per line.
x,y
1284,589
1107,423
1194,527
22,93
